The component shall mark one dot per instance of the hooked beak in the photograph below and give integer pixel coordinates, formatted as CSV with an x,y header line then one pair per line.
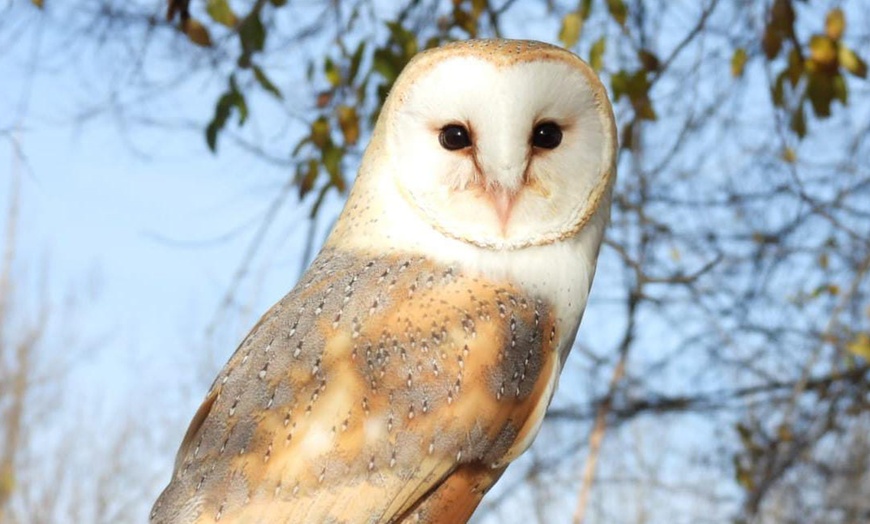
x,y
503,201
503,175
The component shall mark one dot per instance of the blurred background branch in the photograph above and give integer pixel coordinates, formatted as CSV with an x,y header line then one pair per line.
x,y
722,368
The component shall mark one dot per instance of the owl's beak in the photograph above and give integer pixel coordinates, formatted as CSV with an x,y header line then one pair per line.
x,y
505,179
503,200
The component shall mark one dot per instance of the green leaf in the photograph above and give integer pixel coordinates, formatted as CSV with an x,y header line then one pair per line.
x,y
851,62
404,38
307,176
238,101
596,54
585,9
771,42
619,83
384,63
636,87
820,91
220,12
331,158
355,61
738,62
383,91
252,33
618,11
795,67
571,26
278,3
37,3
265,83
798,122
638,84
232,99
211,132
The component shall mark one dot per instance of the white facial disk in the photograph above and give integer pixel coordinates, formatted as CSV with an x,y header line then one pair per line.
x,y
501,147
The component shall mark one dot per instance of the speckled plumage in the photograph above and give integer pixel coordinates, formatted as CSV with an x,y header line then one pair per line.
x,y
362,382
416,358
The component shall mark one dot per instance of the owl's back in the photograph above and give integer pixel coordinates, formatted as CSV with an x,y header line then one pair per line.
x,y
377,389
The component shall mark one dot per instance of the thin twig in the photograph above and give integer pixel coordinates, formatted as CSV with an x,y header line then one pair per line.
x,y
596,438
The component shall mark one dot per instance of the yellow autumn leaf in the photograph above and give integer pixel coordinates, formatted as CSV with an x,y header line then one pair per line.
x,y
220,12
860,346
596,54
331,71
835,24
851,62
320,132
823,51
349,123
571,26
824,261
738,62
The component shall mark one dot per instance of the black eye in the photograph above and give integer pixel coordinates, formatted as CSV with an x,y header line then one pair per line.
x,y
547,135
453,137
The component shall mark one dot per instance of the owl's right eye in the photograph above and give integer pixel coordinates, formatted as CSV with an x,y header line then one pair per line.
x,y
454,137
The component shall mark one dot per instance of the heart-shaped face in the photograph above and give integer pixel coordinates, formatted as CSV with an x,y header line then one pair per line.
x,y
500,144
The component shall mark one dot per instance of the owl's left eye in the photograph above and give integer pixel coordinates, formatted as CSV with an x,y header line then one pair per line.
x,y
454,137
547,135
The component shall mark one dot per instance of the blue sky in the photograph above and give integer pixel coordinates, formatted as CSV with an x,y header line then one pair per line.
x,y
147,228
160,225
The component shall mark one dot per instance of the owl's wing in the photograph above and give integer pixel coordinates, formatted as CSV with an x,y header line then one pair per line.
x,y
377,391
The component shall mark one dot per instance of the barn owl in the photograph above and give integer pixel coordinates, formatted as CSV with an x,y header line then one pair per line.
x,y
416,357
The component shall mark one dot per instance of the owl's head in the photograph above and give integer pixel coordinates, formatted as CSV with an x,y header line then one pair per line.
x,y
501,144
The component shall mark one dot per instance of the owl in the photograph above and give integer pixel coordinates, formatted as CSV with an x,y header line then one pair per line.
x,y
416,357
